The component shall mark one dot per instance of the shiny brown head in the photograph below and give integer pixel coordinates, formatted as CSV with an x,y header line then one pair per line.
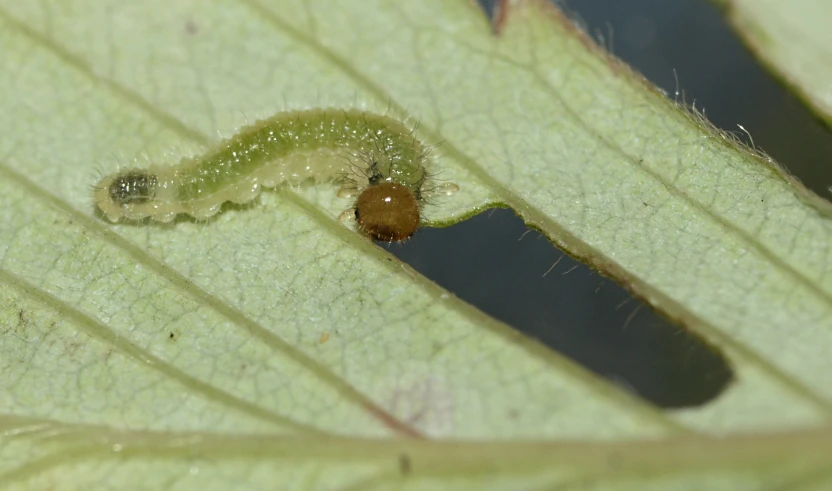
x,y
387,212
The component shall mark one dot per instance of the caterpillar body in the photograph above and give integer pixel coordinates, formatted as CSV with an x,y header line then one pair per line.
x,y
375,157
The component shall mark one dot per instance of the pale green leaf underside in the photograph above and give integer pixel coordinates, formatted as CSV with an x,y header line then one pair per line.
x,y
793,37
192,355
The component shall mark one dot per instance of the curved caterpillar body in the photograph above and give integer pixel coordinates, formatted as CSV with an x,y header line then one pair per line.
x,y
386,160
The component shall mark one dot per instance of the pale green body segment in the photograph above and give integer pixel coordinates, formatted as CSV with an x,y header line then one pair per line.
x,y
295,146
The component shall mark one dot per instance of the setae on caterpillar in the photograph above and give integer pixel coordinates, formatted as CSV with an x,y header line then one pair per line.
x,y
373,156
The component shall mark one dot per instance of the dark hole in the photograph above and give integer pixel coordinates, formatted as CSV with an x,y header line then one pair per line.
x,y
718,72
490,263
583,315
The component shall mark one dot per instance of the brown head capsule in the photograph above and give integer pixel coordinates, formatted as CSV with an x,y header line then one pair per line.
x,y
387,212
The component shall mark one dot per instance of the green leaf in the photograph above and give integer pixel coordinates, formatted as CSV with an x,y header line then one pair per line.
x,y
794,39
273,347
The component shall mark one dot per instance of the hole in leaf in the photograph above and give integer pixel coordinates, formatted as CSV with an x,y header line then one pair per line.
x,y
498,265
689,40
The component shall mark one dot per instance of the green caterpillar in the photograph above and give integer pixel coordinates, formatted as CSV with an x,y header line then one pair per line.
x,y
374,156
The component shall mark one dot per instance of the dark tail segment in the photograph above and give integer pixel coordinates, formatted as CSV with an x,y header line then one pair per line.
x,y
133,187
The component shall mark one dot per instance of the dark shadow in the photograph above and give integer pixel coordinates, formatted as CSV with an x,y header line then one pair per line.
x,y
716,71
493,262
587,317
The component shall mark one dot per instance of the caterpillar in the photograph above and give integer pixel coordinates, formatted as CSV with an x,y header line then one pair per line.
x,y
374,157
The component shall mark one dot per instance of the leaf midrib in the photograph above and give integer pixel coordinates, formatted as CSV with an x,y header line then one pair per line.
x,y
668,455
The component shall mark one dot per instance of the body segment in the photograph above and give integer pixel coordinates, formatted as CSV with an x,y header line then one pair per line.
x,y
364,149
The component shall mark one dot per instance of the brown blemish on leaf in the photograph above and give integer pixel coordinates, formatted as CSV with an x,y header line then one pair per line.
x,y
499,16
425,403
191,28
404,464
391,422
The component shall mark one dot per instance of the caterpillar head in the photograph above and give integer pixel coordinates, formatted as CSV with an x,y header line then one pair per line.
x,y
387,211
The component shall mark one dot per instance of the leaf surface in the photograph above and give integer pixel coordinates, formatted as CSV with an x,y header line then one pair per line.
x,y
273,346
794,39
